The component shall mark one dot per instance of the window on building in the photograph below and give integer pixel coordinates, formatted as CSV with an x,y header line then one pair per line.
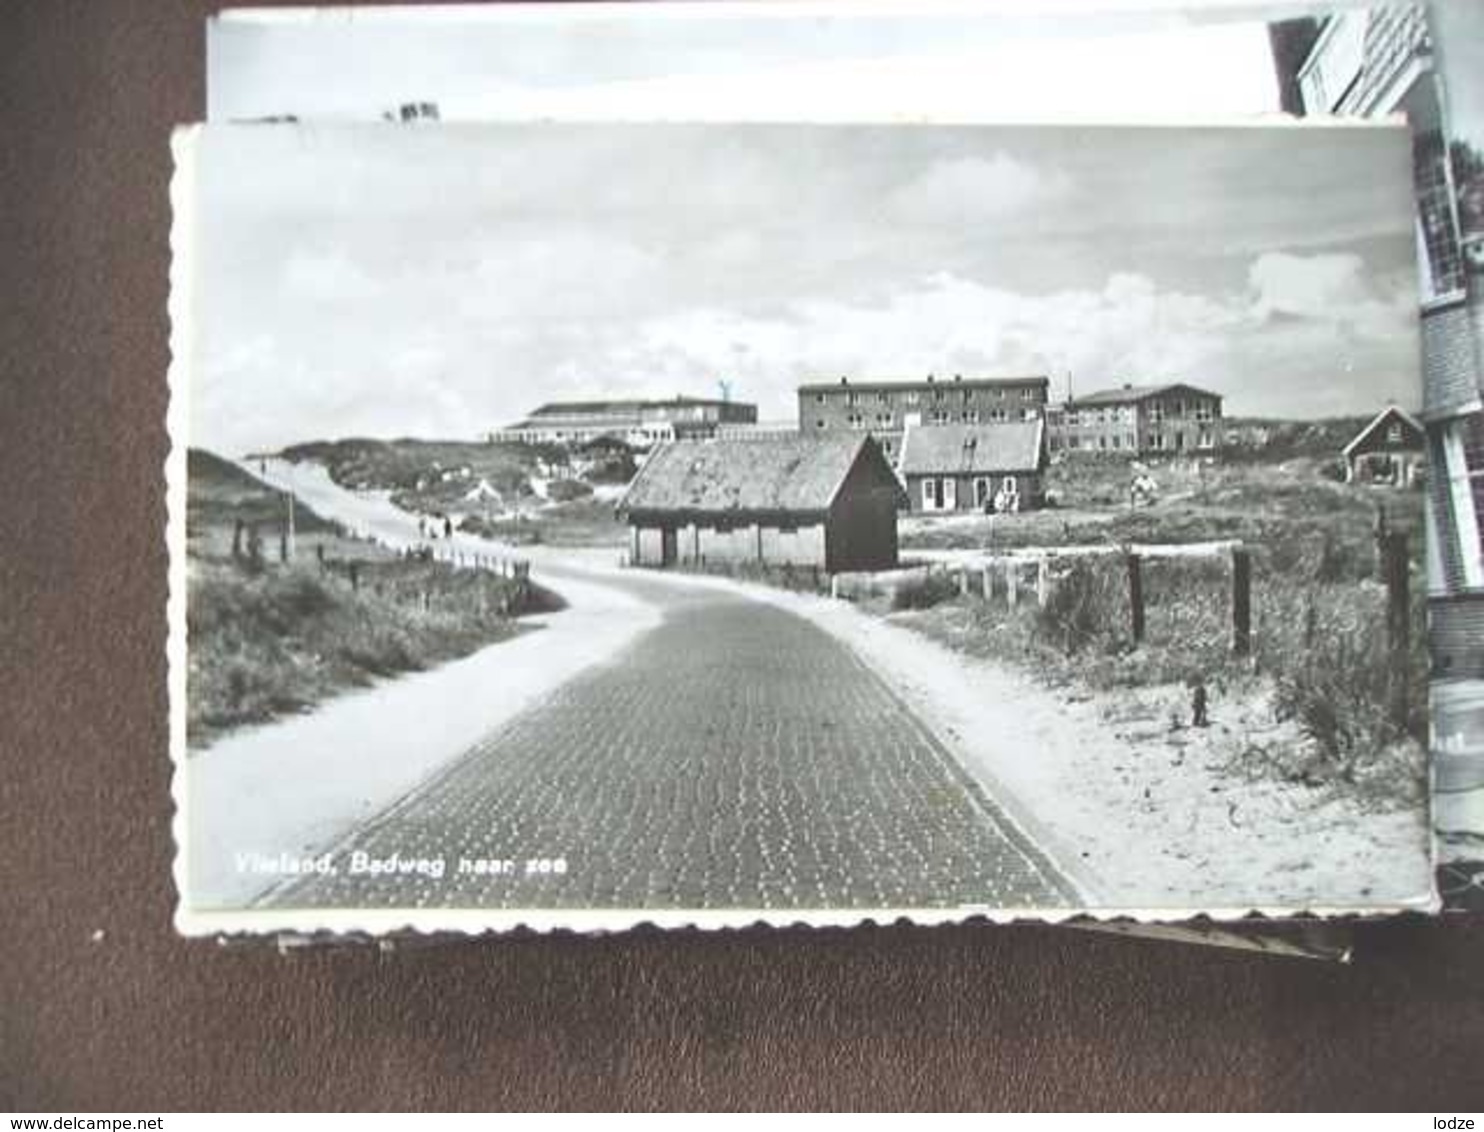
x,y
852,398
1205,439
967,395
819,398
1118,442
1177,408
1102,442
1157,441
883,420
911,397
1394,434
1203,410
1179,442
1156,412
930,494
883,397
856,420
939,394
1029,414
1437,230
819,424
971,416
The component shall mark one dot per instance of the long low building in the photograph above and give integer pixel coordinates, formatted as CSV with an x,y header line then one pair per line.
x,y
641,423
829,502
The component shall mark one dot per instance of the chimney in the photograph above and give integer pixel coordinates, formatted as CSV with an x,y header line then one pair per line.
x,y
930,378
958,377
844,381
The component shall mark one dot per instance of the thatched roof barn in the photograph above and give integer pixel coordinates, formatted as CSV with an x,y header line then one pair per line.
x,y
824,501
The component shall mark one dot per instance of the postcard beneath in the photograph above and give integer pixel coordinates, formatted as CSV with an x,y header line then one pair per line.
x,y
588,525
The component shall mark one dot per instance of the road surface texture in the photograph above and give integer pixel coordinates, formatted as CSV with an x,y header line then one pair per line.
x,y
736,756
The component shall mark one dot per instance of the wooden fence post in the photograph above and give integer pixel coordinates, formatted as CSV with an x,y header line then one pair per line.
x,y
963,581
1241,601
986,581
1136,597
1012,582
1043,582
1396,567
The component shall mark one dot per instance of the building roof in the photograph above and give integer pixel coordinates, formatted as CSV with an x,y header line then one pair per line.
x,y
800,473
1130,393
632,405
1385,417
971,448
932,381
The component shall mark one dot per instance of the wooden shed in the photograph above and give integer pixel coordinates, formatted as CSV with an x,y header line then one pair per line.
x,y
823,501
1392,449
975,467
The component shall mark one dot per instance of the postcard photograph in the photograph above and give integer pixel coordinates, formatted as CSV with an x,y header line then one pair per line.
x,y
585,525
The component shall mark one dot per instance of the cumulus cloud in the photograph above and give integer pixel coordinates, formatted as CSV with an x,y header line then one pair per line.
x,y
1129,330
1337,290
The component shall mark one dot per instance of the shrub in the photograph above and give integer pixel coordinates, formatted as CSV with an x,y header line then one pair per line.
x,y
564,491
1082,608
1339,682
924,591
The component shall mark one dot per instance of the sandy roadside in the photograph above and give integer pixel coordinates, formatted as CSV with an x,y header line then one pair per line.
x,y
1144,818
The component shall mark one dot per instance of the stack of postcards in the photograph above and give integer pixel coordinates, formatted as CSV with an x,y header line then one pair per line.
x,y
712,464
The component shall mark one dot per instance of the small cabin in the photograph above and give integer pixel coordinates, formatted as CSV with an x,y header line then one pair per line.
x,y
975,467
1391,450
828,502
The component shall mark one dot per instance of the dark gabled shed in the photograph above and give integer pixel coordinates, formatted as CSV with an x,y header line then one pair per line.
x,y
824,501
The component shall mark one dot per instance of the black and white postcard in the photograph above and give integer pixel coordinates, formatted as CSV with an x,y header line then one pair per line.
x,y
584,525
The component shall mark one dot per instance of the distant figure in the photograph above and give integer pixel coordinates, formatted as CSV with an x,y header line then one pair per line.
x,y
422,527
1198,704
447,527
1143,490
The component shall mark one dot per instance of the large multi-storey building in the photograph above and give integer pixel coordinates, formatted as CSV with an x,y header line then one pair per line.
x,y
1167,420
1380,61
885,408
637,422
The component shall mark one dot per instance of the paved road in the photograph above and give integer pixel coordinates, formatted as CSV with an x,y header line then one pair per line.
x,y
735,756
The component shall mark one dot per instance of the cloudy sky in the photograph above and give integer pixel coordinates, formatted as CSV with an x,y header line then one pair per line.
x,y
382,280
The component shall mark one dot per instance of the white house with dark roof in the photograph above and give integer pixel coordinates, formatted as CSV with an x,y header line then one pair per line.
x,y
828,502
974,467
